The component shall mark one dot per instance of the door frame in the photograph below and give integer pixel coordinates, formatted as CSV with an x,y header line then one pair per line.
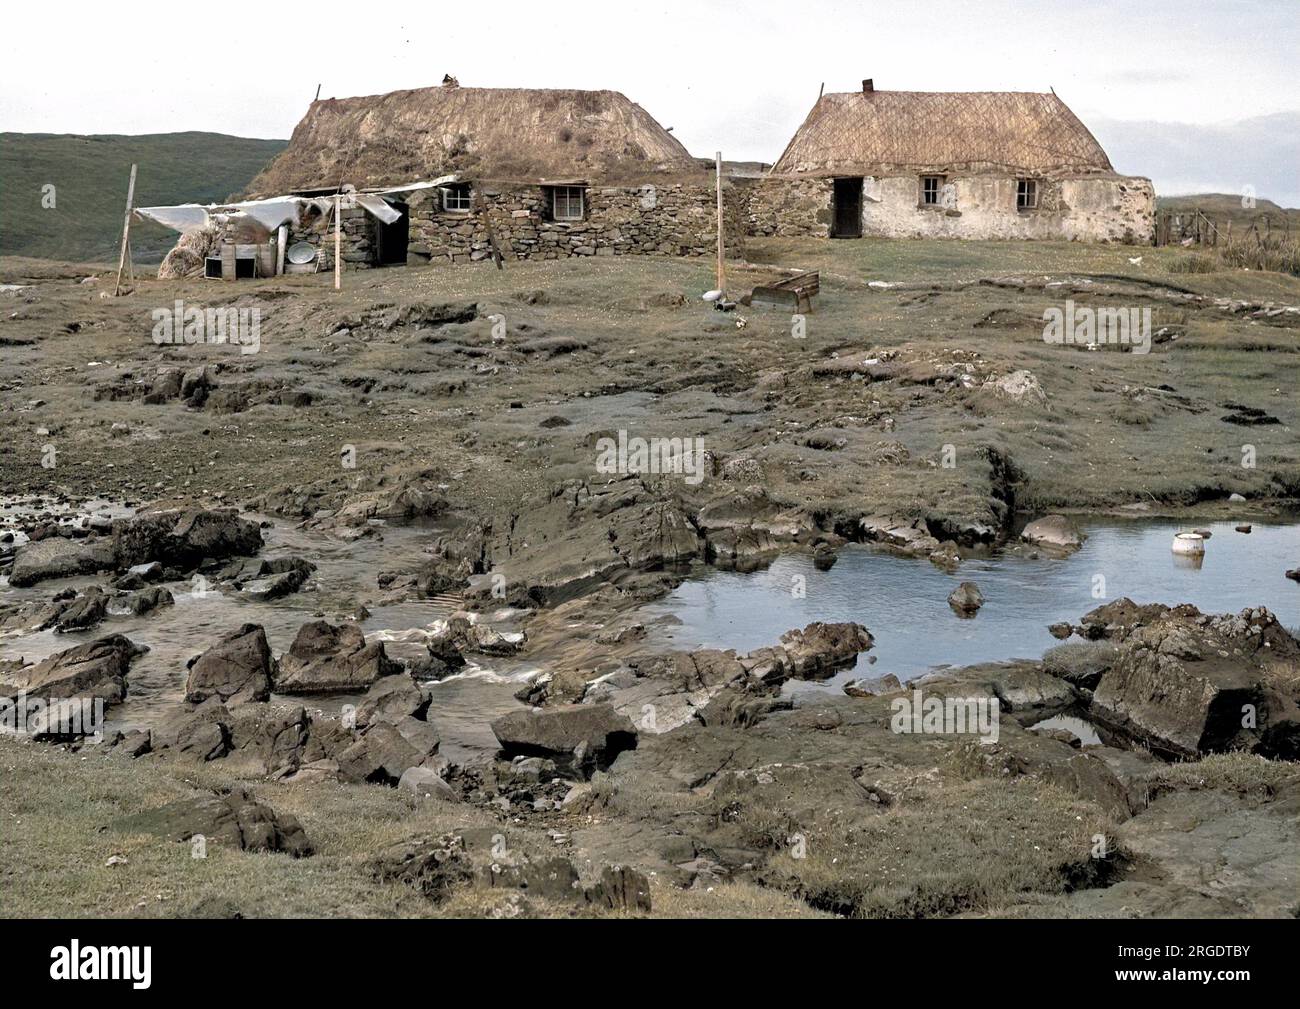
x,y
837,184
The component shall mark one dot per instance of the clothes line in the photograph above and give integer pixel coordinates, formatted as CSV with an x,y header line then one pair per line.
x,y
274,211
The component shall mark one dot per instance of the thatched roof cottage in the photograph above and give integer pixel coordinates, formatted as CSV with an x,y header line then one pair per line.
x,y
537,173
995,164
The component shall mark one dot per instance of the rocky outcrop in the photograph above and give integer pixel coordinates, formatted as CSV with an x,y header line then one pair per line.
x,y
179,537
325,659
581,535
744,525
431,866
183,537
820,649
239,667
581,737
236,818
1187,683
909,536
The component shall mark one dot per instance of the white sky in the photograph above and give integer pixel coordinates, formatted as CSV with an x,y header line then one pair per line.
x,y
729,75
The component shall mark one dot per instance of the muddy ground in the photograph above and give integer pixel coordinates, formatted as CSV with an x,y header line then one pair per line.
x,y
469,402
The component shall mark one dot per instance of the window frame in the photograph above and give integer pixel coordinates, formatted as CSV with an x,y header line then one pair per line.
x,y
569,197
939,182
1028,194
454,194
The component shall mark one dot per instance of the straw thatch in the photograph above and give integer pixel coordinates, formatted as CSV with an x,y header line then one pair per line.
x,y
491,133
885,132
186,258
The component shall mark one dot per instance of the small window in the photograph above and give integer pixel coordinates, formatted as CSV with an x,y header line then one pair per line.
x,y
1026,194
566,203
457,198
931,185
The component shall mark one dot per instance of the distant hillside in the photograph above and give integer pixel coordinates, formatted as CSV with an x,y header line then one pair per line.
x,y
1226,206
90,174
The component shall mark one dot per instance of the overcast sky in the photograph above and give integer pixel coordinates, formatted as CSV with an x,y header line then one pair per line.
x,y
730,75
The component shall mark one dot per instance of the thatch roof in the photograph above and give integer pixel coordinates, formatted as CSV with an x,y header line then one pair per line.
x,y
523,134
878,132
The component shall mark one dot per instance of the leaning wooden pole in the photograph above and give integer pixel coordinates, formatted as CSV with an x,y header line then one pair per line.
x,y
126,232
722,269
338,241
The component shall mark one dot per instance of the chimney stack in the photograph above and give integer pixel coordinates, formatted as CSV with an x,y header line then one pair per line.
x,y
868,86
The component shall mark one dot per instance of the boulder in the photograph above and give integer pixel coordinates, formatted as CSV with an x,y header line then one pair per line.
x,y
184,537
239,667
148,600
427,783
1053,532
866,687
391,699
966,599
236,818
200,733
84,612
458,635
578,736
821,648
266,580
383,754
325,658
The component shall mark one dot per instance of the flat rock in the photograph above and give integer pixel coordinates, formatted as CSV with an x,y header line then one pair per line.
x,y
57,557
579,736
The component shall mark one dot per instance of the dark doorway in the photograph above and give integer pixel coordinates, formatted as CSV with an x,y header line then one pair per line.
x,y
848,209
391,239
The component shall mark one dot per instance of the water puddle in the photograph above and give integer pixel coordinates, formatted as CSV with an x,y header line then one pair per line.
x,y
903,602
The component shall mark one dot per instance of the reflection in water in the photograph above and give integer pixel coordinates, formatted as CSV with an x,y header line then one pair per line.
x,y
903,602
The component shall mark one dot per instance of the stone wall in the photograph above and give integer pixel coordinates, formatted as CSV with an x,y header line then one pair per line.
x,y
1086,208
673,220
790,208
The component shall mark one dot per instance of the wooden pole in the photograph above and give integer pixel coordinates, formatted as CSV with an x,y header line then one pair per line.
x,y
126,231
338,241
317,98
722,269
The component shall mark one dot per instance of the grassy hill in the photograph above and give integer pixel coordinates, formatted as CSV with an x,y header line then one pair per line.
x,y
1227,207
90,174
